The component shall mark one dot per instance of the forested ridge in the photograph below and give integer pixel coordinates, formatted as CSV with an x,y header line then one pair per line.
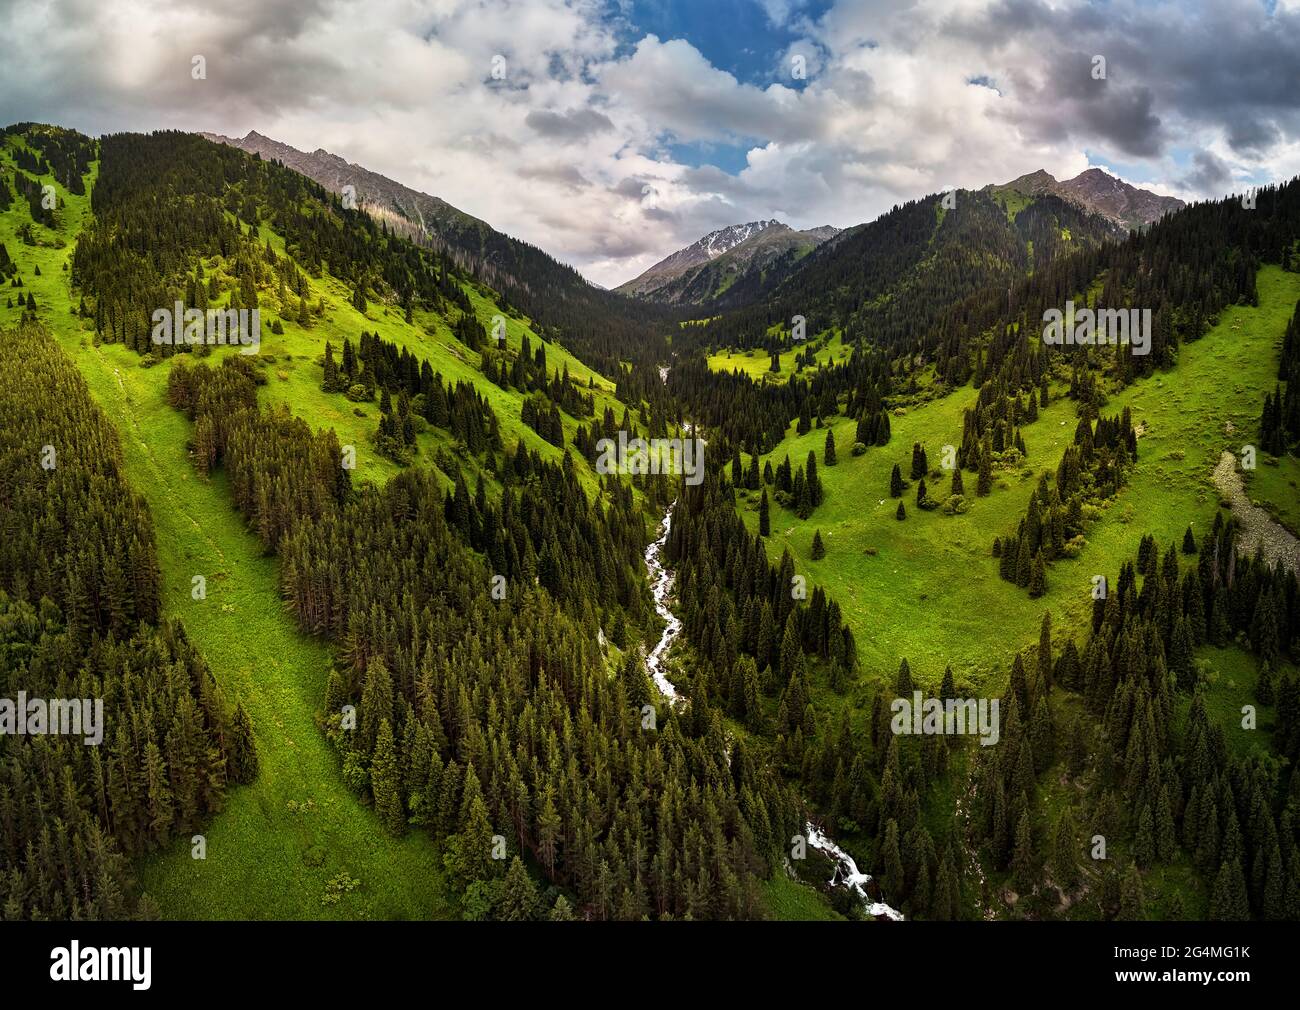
x,y
79,618
479,716
163,201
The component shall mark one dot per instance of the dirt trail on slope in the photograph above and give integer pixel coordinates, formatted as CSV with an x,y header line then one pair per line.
x,y
1258,528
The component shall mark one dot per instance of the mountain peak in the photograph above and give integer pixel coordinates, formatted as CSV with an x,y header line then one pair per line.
x,y
1097,190
687,275
1034,184
718,242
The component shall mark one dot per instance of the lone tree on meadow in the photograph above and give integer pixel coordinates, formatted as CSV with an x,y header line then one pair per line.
x,y
830,447
819,548
919,463
901,513
1189,542
896,482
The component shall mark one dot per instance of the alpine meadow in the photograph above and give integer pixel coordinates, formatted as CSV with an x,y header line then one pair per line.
x,y
854,476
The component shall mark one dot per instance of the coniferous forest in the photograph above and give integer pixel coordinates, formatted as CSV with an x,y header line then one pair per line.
x,y
805,542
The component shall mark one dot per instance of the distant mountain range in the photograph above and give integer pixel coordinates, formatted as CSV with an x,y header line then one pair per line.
x,y
706,269
726,268
1098,191
554,295
740,263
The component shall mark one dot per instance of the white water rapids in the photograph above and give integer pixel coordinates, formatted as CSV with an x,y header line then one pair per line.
x,y
846,872
661,584
848,875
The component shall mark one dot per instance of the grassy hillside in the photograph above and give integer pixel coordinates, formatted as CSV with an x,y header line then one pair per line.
x,y
928,588
279,843
756,363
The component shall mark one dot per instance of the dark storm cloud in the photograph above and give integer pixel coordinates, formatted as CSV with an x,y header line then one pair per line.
x,y
576,124
1232,66
1209,176
1252,136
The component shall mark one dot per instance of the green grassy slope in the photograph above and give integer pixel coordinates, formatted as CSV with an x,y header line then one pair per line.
x,y
274,850
928,588
756,363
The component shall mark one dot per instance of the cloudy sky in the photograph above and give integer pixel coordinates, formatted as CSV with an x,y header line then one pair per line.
x,y
611,132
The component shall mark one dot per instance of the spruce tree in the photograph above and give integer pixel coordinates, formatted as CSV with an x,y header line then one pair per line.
x,y
896,483
803,498
764,519
242,764
815,492
1024,868
918,461
385,782
1132,902
518,894
1065,852
1024,564
635,681
903,685
818,548
830,447
1144,843
1229,902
